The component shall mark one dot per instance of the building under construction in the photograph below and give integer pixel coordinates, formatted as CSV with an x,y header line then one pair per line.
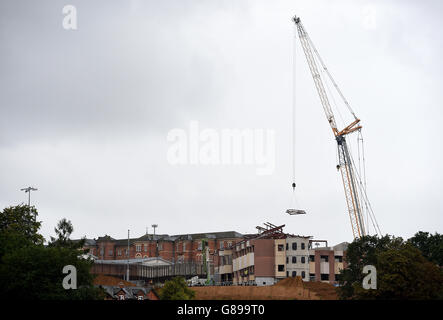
x,y
222,258
272,255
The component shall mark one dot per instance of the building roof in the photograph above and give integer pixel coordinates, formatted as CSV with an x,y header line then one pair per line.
x,y
210,235
155,237
298,236
343,246
144,261
129,292
165,237
105,238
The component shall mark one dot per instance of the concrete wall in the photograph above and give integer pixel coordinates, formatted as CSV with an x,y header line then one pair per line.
x,y
299,267
264,281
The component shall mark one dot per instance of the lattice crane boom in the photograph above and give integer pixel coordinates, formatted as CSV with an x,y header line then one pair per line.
x,y
353,191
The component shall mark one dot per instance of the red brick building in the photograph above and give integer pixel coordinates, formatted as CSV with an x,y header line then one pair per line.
x,y
176,248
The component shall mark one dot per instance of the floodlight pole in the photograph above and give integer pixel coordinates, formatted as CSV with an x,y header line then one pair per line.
x,y
127,269
156,245
28,190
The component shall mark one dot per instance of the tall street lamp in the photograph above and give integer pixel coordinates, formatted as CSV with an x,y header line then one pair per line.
x,y
28,190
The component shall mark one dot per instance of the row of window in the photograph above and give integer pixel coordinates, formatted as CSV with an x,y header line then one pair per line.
x,y
111,252
312,259
243,252
199,246
294,274
138,247
293,246
294,259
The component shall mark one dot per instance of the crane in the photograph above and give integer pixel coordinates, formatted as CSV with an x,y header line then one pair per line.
x,y
357,202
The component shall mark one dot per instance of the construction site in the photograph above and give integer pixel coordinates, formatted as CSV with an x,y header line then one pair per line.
x,y
221,150
270,264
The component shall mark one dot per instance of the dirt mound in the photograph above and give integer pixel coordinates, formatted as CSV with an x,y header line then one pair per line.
x,y
325,291
293,288
291,282
111,281
251,293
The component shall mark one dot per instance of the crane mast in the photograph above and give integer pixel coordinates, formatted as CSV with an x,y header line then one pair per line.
x,y
353,190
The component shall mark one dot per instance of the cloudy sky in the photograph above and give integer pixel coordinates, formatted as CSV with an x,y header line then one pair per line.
x,y
85,113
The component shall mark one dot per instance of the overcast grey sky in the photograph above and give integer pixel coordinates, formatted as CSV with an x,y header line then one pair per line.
x,y
84,114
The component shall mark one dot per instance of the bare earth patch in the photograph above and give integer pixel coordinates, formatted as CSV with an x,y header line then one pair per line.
x,y
287,289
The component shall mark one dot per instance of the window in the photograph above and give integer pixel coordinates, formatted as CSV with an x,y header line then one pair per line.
x,y
303,246
110,252
160,246
138,247
338,259
281,267
312,258
294,259
126,252
121,297
303,274
294,246
303,260
146,247
281,247
287,273
294,273
184,246
229,244
221,245
119,252
140,297
102,251
199,247
287,259
324,258
324,276
287,246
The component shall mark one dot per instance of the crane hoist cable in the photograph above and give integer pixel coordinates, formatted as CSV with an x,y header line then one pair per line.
x,y
294,82
295,203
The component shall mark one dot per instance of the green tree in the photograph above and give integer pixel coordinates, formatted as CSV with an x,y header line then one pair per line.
x,y
431,246
19,228
29,270
63,231
176,289
402,271
36,273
